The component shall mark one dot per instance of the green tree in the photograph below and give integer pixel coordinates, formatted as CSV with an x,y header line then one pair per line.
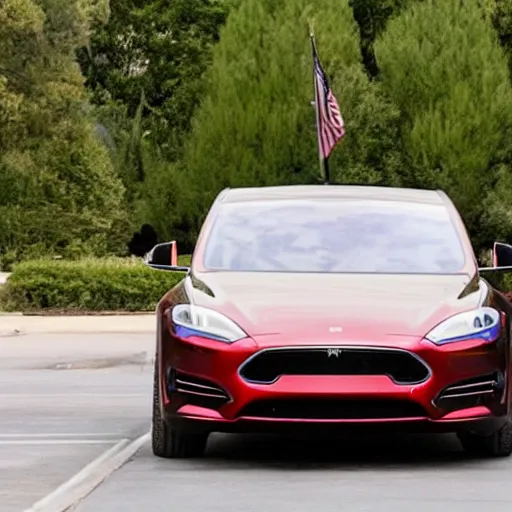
x,y
256,125
371,17
58,190
166,200
442,64
158,48
501,15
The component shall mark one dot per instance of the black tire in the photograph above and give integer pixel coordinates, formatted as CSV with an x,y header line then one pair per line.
x,y
498,444
169,443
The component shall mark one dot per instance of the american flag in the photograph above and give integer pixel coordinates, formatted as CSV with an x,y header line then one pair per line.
x,y
330,125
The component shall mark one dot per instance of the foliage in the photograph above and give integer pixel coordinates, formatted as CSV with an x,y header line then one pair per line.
x,y
145,70
372,17
89,284
58,191
166,200
442,64
255,125
118,113
501,15
159,48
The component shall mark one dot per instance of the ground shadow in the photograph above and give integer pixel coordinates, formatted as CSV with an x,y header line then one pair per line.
x,y
335,452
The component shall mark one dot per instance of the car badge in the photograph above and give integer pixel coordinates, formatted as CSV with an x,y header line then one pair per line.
x,y
334,352
335,329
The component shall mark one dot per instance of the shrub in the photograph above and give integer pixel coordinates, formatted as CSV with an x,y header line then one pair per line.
x,y
89,284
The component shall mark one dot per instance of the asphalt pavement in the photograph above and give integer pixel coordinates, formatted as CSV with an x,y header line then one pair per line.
x,y
273,474
64,399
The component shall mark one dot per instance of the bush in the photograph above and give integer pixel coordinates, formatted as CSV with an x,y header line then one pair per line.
x,y
90,284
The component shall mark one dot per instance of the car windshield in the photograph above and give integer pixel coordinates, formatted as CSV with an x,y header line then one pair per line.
x,y
342,236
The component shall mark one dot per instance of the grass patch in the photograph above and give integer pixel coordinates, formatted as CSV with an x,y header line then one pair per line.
x,y
87,285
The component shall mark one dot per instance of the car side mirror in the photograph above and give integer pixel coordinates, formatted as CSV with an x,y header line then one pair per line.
x,y
164,257
501,255
501,259
165,254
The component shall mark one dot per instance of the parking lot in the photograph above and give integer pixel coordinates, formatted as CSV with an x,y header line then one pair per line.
x,y
67,398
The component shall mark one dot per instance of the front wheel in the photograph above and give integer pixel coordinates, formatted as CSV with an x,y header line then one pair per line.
x,y
170,443
498,444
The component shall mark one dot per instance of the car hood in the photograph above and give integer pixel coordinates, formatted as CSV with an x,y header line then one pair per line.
x,y
310,304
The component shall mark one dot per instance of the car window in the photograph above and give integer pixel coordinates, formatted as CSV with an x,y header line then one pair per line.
x,y
342,236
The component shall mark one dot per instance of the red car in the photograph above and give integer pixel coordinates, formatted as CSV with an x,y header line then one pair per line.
x,y
329,307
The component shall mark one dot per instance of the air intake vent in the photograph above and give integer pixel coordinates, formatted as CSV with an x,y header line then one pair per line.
x,y
333,409
470,392
197,391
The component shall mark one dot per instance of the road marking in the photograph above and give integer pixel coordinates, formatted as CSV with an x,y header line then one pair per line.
x,y
92,475
40,442
24,396
63,435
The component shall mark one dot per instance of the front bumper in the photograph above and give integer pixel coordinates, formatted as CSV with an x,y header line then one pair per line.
x,y
465,387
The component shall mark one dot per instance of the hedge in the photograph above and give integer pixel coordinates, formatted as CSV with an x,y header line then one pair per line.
x,y
87,285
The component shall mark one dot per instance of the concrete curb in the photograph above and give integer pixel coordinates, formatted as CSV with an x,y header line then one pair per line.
x,y
92,475
16,325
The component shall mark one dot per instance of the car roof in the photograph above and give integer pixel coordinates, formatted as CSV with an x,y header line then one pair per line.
x,y
308,192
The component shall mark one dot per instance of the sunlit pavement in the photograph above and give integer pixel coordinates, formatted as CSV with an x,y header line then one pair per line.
x,y
261,473
65,399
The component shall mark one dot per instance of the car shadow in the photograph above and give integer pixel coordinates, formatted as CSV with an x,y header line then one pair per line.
x,y
340,452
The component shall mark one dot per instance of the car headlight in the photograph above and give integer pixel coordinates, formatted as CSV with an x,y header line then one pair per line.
x,y
484,323
192,320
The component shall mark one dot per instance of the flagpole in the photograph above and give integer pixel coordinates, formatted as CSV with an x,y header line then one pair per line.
x,y
324,162
327,171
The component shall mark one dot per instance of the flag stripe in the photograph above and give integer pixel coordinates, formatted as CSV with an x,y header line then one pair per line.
x,y
330,126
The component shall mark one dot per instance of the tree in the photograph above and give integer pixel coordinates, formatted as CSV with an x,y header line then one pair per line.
x,y
371,17
256,124
442,64
158,48
501,15
58,190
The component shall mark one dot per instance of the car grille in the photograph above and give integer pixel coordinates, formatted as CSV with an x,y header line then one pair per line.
x,y
269,365
197,391
470,392
333,409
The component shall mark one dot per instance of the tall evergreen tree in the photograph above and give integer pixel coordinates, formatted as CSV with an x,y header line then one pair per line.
x,y
256,126
501,15
442,64
371,17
